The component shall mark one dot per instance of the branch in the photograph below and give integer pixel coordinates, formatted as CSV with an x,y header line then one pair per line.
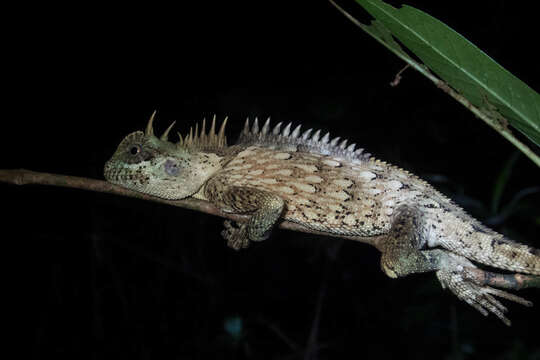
x,y
27,177
506,281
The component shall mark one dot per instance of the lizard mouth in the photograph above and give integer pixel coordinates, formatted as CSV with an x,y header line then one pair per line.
x,y
115,173
108,171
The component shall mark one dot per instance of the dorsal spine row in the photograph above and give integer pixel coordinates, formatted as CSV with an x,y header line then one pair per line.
x,y
277,138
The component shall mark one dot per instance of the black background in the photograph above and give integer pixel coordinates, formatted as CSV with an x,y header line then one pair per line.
x,y
103,276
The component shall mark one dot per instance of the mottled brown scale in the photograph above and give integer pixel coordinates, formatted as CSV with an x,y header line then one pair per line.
x,y
321,193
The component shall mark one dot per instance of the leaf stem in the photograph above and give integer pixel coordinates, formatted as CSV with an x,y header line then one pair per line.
x,y
503,130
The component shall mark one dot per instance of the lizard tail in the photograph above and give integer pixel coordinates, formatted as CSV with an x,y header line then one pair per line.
x,y
500,252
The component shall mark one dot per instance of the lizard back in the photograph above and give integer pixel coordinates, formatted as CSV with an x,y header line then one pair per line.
x,y
327,185
331,187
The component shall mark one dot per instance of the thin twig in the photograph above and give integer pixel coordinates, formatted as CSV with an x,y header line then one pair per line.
x,y
397,78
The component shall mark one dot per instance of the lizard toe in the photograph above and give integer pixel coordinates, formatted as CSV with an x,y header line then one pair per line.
x,y
481,297
236,236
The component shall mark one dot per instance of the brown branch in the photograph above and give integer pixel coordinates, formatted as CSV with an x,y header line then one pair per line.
x,y
27,177
506,281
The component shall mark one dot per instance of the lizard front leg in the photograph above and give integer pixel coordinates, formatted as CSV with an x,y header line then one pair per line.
x,y
403,254
265,209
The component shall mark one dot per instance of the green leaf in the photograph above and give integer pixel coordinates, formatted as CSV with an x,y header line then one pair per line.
x,y
379,32
467,69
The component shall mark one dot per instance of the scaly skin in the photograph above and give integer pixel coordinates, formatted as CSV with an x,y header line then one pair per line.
x,y
328,186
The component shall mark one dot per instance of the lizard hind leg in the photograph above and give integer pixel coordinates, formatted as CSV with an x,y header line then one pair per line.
x,y
402,254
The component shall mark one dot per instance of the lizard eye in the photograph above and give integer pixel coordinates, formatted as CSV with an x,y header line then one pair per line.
x,y
134,149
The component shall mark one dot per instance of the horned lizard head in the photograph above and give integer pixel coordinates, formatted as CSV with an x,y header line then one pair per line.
x,y
151,165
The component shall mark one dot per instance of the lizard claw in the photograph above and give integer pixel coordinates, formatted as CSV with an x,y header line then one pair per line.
x,y
236,236
481,297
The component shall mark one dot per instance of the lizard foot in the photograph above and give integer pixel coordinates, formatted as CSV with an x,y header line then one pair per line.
x,y
236,237
479,296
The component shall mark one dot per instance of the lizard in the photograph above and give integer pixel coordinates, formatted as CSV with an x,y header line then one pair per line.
x,y
273,173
